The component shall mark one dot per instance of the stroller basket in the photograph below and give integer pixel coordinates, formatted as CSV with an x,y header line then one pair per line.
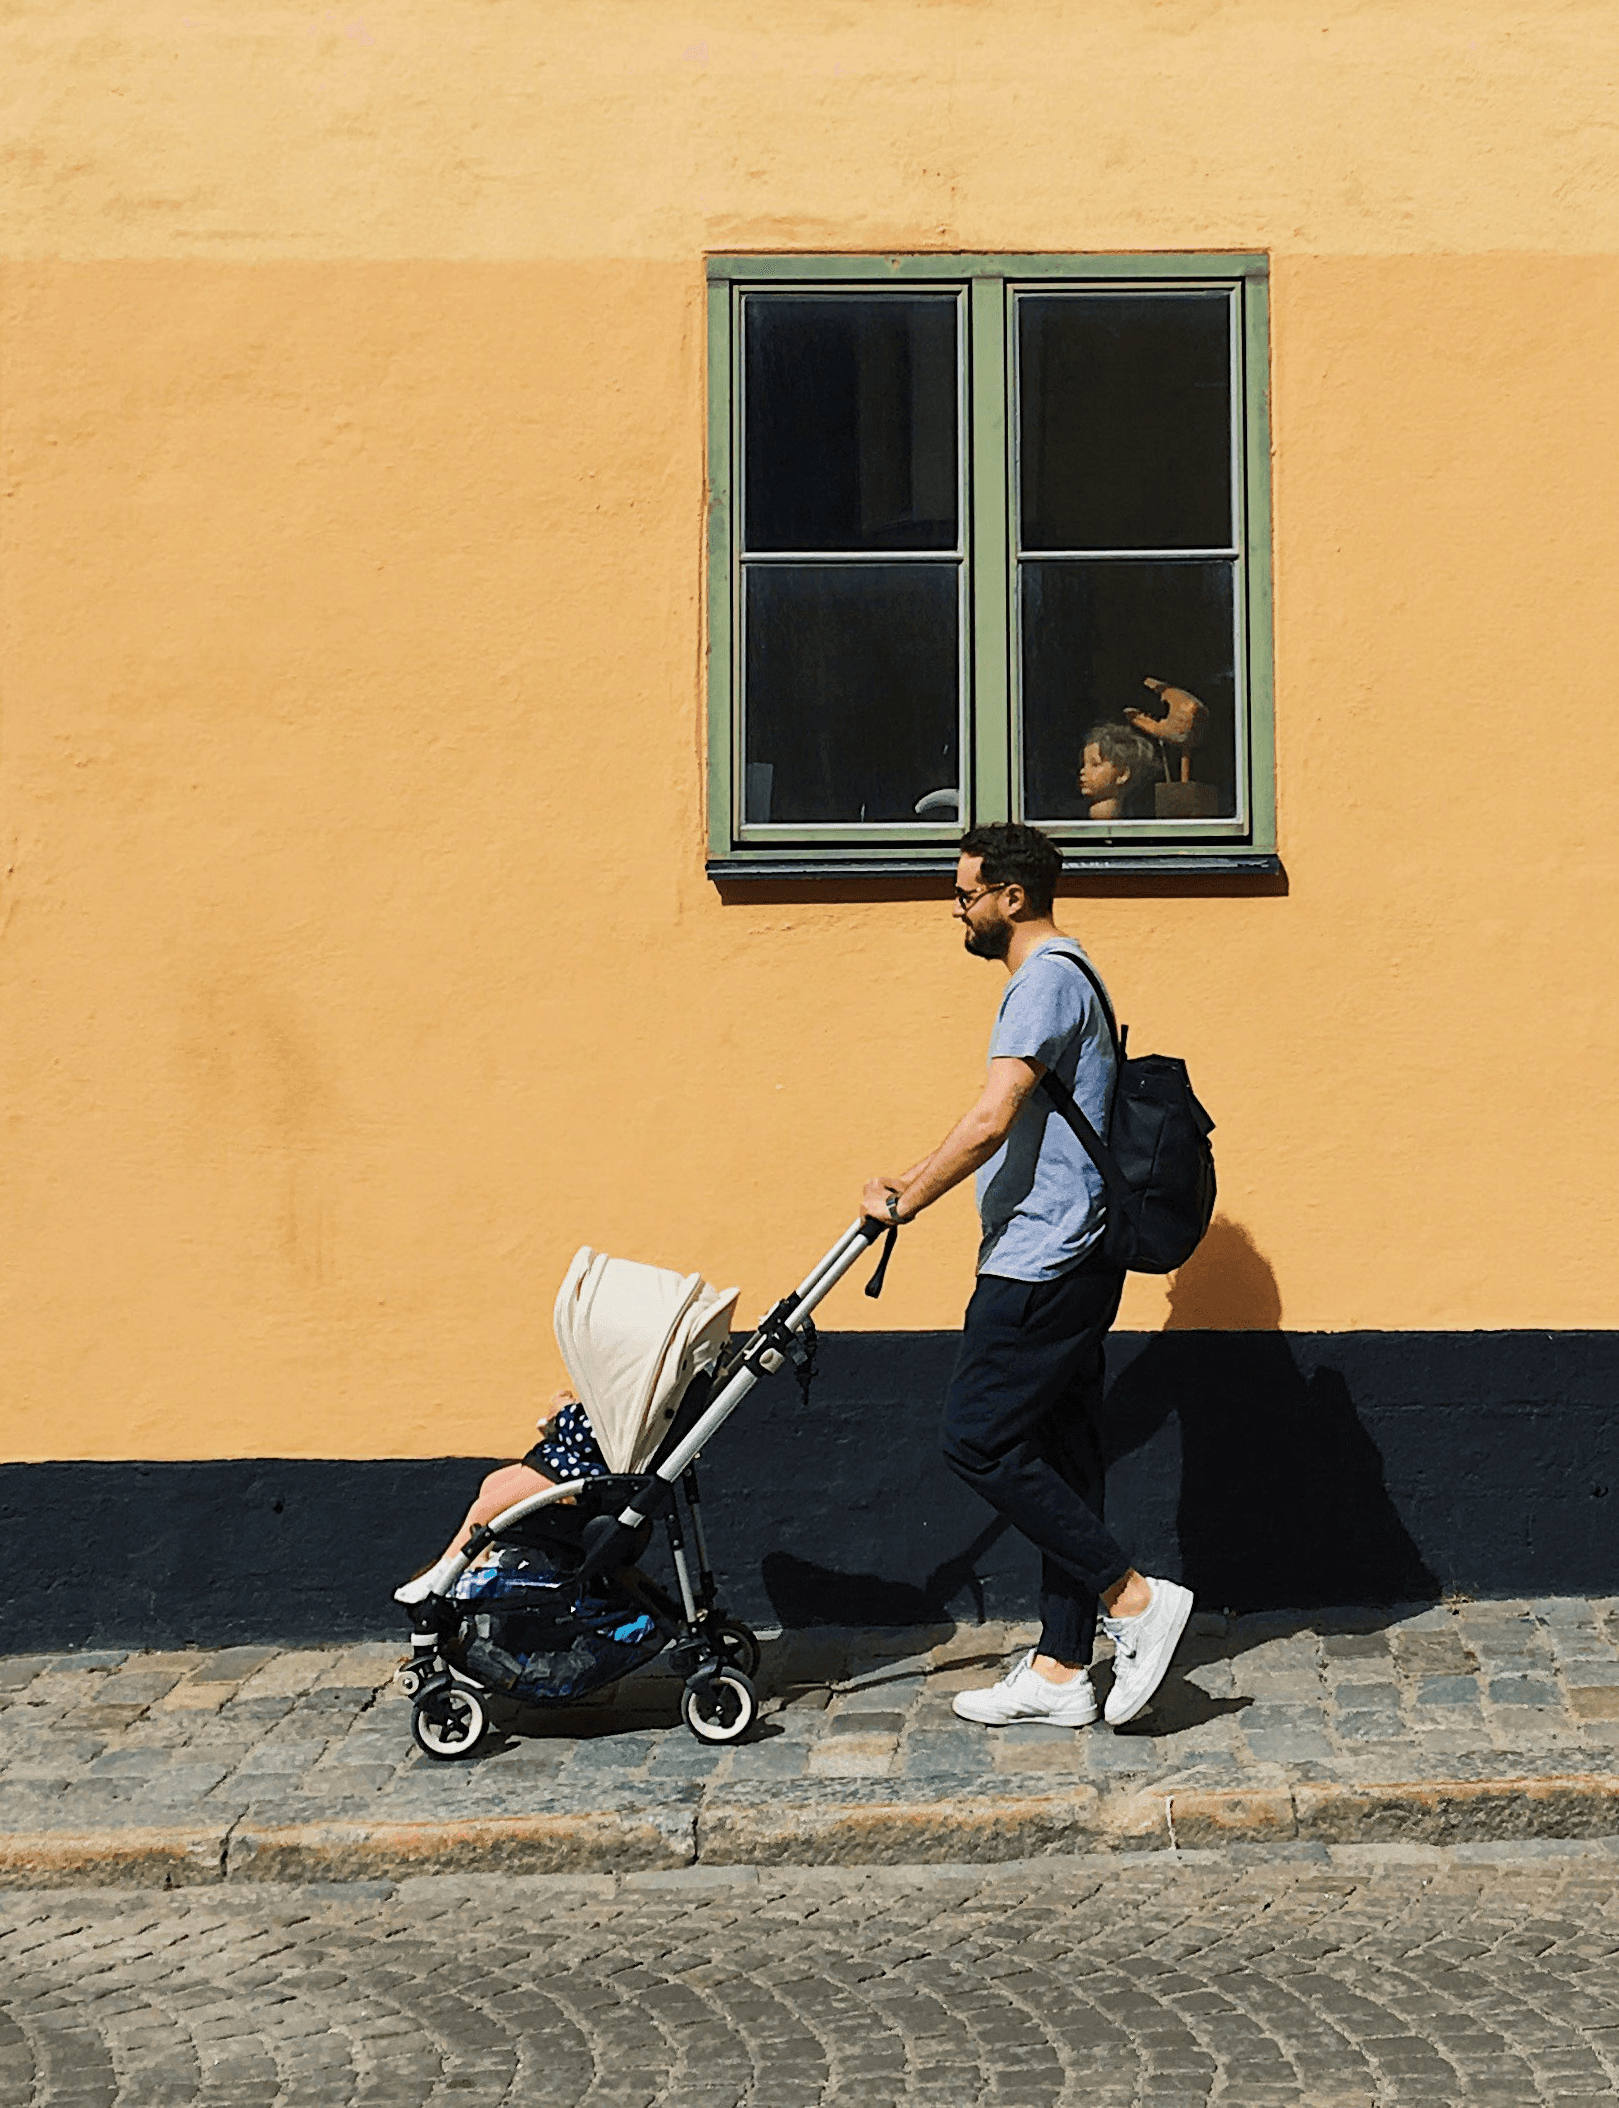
x,y
547,1603
529,1632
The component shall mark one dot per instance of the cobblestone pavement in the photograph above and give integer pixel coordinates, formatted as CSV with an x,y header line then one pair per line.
x,y
1455,1692
1343,1979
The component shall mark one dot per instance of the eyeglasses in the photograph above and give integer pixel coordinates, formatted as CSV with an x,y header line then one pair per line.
x,y
966,900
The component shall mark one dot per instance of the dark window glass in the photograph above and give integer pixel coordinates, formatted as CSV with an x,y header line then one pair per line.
x,y
1125,420
849,422
1093,634
852,676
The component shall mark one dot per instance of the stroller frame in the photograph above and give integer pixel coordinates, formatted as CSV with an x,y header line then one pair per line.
x,y
609,1521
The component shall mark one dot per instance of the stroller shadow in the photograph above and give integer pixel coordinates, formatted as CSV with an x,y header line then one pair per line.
x,y
642,1701
819,1608
803,1592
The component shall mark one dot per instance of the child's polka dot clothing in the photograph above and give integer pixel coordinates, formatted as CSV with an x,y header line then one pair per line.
x,y
568,1449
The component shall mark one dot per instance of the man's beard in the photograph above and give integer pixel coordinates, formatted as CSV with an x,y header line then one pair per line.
x,y
994,941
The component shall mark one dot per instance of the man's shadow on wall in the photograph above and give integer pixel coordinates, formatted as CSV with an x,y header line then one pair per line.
x,y
1282,1499
1276,1502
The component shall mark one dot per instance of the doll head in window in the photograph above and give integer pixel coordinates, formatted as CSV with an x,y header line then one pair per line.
x,y
1117,768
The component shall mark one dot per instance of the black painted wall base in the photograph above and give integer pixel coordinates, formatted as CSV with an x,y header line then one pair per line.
x,y
1267,1469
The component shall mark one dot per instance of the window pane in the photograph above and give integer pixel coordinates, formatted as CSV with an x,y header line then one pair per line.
x,y
851,690
1092,635
850,422
1125,420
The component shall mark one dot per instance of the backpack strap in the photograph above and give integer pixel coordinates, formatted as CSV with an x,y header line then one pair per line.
x,y
1102,996
1100,1154
1062,1098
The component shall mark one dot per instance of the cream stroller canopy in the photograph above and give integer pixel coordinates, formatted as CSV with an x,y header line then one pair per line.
x,y
633,1337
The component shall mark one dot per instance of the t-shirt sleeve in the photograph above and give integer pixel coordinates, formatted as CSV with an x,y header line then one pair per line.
x,y
1045,1006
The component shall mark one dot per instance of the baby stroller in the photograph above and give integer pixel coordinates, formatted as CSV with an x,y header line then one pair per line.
x,y
547,1603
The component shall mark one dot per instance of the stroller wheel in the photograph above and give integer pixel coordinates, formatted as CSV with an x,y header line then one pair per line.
x,y
449,1722
720,1706
738,1646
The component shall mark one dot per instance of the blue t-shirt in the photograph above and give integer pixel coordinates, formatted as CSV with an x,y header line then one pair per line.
x,y
1040,1196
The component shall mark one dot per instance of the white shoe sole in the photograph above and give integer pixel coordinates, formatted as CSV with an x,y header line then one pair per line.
x,y
1176,1631
1083,1718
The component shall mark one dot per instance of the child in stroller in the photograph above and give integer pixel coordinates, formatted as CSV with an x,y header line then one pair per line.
x,y
567,1449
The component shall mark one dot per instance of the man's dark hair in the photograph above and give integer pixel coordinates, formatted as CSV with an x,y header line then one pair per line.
x,y
1010,854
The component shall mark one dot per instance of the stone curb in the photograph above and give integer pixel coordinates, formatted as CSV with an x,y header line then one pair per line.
x,y
888,1833
1459,1811
143,1858
830,1833
594,1842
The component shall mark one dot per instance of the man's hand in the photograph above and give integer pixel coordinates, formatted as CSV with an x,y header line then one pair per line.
x,y
874,1200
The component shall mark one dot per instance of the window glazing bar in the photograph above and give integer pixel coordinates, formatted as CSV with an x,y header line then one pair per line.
x,y
991,531
1127,556
774,833
854,556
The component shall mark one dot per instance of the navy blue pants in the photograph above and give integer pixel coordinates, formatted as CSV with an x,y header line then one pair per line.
x,y
1020,1428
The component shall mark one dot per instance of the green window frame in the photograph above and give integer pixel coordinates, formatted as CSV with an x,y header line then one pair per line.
x,y
1242,844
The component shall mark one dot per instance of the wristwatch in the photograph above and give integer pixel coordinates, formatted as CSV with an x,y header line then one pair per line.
x,y
893,1209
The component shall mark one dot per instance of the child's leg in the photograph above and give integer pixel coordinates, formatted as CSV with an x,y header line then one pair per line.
x,y
501,1490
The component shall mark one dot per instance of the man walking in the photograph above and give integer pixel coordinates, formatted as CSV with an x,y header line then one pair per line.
x,y
1020,1414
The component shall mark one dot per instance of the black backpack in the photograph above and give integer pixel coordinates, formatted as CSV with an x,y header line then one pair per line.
x,y
1156,1162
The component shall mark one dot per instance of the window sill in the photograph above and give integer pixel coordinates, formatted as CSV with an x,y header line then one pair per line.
x,y
1236,863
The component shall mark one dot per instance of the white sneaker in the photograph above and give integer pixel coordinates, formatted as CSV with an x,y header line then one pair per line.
x,y
432,1581
1024,1694
1143,1647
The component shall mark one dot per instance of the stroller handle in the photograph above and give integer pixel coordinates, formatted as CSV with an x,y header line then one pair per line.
x,y
792,1312
860,1233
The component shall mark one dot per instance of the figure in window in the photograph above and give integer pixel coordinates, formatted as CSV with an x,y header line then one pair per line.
x,y
1183,726
1117,769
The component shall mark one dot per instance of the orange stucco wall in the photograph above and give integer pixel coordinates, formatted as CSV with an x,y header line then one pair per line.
x,y
356,957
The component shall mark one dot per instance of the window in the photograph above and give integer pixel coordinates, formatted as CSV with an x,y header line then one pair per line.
x,y
989,539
